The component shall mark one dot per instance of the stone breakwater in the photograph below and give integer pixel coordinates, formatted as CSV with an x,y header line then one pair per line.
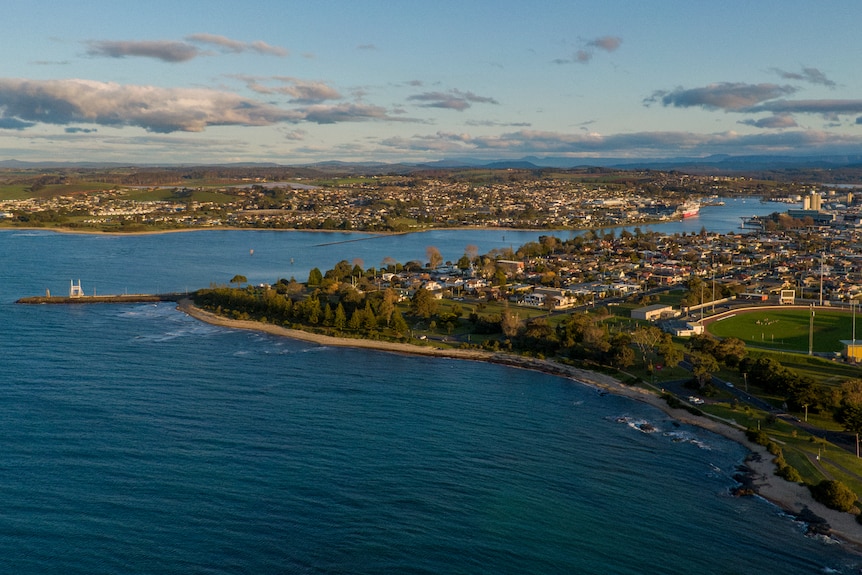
x,y
124,298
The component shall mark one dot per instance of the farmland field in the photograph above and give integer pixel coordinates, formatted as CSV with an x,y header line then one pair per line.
x,y
787,329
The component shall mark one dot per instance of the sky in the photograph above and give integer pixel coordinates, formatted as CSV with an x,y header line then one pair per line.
x,y
213,82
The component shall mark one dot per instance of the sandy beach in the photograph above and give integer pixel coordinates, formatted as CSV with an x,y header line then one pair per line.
x,y
793,498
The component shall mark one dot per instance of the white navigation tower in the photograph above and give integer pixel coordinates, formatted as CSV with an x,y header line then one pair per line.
x,y
75,290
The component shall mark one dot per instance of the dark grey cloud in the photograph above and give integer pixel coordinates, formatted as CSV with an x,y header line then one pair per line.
x,y
80,130
174,51
490,123
235,46
728,96
300,91
346,112
451,100
164,50
825,108
810,75
14,124
776,121
640,144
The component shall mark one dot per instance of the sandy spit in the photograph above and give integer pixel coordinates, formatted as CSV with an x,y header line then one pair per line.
x,y
793,498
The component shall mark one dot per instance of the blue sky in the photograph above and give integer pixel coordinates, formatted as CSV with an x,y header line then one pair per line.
x,y
297,82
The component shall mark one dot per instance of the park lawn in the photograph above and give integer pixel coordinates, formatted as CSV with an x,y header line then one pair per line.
x,y
820,370
787,329
799,447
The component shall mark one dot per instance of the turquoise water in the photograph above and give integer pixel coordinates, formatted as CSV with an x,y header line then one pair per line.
x,y
138,440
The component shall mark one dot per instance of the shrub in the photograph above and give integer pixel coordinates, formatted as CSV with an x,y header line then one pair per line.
x,y
757,436
789,473
834,494
672,401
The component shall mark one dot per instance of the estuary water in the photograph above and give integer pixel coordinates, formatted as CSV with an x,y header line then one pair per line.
x,y
138,440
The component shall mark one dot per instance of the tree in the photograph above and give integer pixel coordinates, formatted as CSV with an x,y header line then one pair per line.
x,y
621,353
849,412
510,323
238,279
434,257
423,304
356,319
472,252
387,305
399,325
731,351
670,354
645,338
703,366
315,277
340,319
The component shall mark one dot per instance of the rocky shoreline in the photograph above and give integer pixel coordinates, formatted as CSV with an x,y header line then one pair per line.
x,y
755,476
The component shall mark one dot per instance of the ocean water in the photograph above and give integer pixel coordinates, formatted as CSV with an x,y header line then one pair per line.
x,y
138,440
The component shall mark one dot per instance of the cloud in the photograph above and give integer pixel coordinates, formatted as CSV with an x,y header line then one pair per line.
x,y
295,135
583,56
300,91
825,108
810,75
164,50
174,51
14,124
586,53
451,100
155,109
779,121
331,114
80,130
639,144
366,47
606,43
490,123
726,96
236,46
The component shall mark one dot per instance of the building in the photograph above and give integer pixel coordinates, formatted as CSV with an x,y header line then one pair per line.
x,y
852,349
811,201
684,329
654,312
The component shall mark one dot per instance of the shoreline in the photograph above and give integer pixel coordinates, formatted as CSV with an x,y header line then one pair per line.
x,y
793,498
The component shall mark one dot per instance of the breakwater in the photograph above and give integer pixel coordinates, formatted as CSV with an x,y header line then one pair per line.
x,y
123,298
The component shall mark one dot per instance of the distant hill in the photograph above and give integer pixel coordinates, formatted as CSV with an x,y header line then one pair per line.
x,y
709,164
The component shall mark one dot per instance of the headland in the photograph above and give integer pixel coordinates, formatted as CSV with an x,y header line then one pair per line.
x,y
758,469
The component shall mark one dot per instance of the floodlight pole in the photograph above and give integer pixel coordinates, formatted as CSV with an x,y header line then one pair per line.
x,y
821,279
811,332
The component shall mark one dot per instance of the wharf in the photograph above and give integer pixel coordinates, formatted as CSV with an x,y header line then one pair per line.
x,y
84,299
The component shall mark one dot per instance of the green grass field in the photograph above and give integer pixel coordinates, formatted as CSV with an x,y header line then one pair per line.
x,y
787,329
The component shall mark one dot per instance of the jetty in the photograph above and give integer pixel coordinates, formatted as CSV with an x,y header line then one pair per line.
x,y
77,296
